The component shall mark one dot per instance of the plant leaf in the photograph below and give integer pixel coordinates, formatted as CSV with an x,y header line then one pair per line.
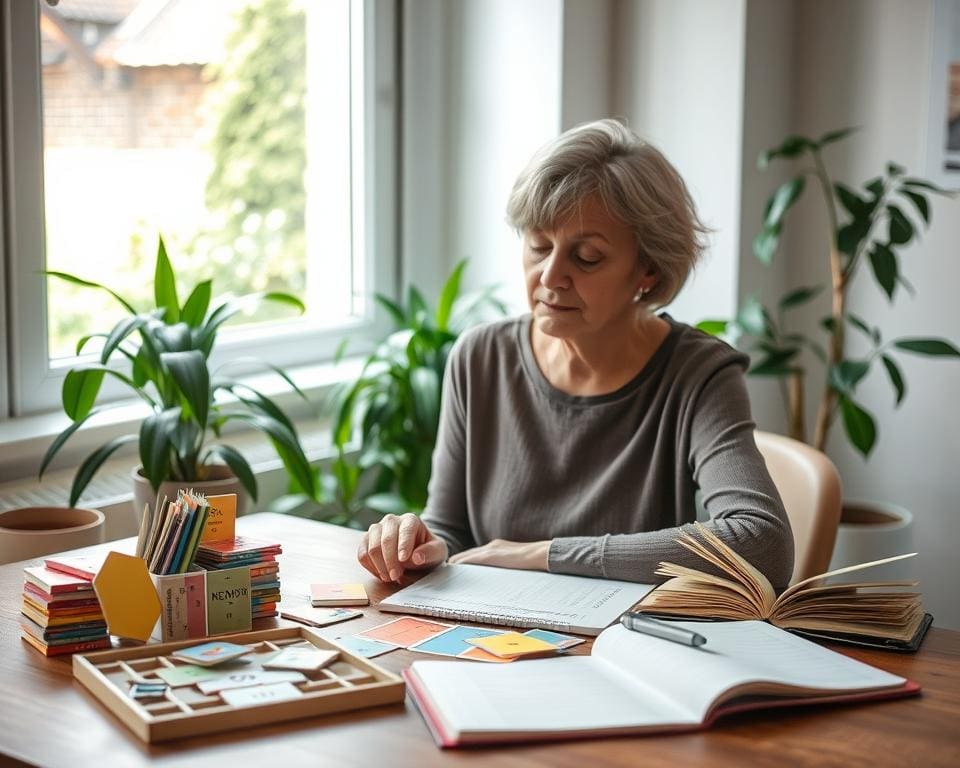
x,y
393,309
197,303
238,465
751,318
287,446
165,286
775,362
80,389
120,331
855,205
713,327
189,372
781,200
896,377
281,298
92,463
386,503
832,136
893,169
57,444
861,325
885,269
765,244
156,438
931,347
845,375
799,296
425,387
920,203
417,309
87,284
924,184
850,235
448,295
901,230
859,425
792,146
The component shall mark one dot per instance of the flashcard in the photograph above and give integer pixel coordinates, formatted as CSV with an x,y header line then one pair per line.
x,y
260,694
318,617
209,654
363,646
177,677
246,679
453,642
338,594
147,690
301,657
405,631
554,638
512,644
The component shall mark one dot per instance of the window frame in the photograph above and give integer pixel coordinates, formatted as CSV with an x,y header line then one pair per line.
x,y
32,384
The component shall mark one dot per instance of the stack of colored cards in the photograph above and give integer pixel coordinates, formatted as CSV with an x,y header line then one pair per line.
x,y
168,539
61,613
260,556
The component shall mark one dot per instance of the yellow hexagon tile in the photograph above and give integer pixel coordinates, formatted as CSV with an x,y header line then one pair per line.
x,y
127,596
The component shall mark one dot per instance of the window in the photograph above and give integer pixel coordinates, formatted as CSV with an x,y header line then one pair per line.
x,y
248,133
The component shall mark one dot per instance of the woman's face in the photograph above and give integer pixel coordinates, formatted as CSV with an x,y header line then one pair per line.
x,y
582,275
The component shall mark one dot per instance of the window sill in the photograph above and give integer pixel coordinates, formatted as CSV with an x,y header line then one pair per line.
x,y
23,441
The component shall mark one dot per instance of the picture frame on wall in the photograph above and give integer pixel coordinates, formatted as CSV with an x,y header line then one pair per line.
x,y
943,121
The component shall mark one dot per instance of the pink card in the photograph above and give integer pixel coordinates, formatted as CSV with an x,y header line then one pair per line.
x,y
406,631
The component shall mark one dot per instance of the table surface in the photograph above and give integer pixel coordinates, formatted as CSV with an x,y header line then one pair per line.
x,y
47,718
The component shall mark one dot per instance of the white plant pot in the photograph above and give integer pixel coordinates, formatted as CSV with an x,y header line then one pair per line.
x,y
31,532
221,481
872,530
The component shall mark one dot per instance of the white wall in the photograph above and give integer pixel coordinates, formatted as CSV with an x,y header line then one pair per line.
x,y
678,80
504,99
865,63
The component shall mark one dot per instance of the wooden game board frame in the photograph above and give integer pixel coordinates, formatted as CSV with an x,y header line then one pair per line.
x,y
349,683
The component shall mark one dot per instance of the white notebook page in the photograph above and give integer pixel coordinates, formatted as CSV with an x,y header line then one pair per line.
x,y
736,652
482,592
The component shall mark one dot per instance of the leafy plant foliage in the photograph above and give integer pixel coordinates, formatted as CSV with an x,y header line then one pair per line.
x,y
869,224
165,351
393,407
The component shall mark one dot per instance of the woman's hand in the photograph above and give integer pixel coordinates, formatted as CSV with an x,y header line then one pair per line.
x,y
396,544
528,556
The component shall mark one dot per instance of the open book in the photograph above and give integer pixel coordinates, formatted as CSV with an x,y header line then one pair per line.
x,y
634,683
874,610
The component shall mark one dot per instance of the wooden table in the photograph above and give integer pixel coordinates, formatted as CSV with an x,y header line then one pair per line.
x,y
47,718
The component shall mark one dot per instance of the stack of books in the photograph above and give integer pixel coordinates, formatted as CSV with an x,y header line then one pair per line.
x,y
259,556
61,613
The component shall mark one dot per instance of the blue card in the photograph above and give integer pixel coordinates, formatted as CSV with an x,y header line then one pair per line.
x,y
363,646
453,642
554,638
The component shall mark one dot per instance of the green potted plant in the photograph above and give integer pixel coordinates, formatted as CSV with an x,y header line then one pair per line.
x,y
164,352
393,407
867,228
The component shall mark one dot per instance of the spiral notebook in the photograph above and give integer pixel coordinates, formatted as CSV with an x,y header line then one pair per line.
x,y
487,595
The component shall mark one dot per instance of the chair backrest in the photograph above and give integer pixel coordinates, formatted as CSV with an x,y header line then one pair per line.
x,y
809,485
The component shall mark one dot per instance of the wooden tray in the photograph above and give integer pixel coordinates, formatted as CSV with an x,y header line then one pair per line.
x,y
349,683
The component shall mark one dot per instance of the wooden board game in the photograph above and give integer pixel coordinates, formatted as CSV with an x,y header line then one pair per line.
x,y
348,683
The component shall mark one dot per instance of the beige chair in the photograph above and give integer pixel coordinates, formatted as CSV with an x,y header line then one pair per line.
x,y
810,488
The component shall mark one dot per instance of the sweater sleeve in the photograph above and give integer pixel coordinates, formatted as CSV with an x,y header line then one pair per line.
x,y
446,510
743,504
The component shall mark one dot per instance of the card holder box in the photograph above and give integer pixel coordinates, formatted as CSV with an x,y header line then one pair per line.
x,y
201,603
350,683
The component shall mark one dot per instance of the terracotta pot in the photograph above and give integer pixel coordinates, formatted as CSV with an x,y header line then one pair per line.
x,y
221,480
872,530
31,532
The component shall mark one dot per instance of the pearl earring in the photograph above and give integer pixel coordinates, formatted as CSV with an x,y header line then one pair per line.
x,y
640,294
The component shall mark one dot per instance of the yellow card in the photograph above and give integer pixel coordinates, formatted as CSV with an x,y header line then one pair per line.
x,y
127,596
222,520
512,644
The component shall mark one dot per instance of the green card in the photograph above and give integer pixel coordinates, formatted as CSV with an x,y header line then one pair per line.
x,y
187,674
228,601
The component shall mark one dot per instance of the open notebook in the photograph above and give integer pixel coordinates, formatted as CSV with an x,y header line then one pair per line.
x,y
483,594
633,683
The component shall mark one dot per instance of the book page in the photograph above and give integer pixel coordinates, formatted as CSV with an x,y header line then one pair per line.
x,y
736,653
485,593
548,695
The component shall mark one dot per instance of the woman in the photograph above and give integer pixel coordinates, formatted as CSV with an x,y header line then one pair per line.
x,y
573,439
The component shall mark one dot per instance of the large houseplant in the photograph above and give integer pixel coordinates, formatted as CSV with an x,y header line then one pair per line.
x,y
385,421
868,226
163,359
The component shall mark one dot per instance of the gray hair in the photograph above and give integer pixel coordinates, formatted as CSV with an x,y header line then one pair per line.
x,y
634,182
